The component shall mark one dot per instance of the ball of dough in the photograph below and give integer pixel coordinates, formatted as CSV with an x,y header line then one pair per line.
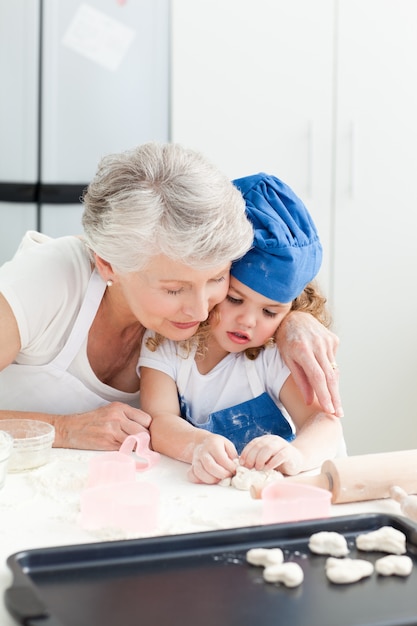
x,y
265,556
256,556
328,542
289,574
385,539
343,571
394,565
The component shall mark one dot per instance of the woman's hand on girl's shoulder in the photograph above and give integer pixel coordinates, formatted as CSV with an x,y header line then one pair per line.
x,y
308,349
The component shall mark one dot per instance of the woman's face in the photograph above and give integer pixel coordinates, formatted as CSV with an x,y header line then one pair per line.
x,y
171,298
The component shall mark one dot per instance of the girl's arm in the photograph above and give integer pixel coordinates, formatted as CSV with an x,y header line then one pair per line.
x,y
319,436
210,455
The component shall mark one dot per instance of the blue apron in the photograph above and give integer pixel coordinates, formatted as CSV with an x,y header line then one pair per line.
x,y
242,422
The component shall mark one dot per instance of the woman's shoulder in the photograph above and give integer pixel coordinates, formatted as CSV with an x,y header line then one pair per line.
x,y
45,282
45,257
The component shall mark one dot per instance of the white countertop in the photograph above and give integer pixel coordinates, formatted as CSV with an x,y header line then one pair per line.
x,y
40,508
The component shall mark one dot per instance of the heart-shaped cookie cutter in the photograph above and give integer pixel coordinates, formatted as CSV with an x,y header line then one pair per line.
x,y
113,498
134,455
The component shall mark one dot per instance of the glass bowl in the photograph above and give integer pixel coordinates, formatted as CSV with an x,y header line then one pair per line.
x,y
32,443
6,446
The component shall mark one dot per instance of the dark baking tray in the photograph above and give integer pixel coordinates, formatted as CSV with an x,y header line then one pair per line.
x,y
202,579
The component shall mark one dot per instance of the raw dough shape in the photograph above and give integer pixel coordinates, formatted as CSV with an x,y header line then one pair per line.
x,y
408,503
394,565
328,542
344,571
385,539
225,482
245,478
289,574
264,557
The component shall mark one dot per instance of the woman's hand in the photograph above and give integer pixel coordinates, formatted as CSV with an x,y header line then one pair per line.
x,y
213,460
104,428
272,452
309,348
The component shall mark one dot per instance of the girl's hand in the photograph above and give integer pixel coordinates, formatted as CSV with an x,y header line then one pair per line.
x,y
213,460
272,452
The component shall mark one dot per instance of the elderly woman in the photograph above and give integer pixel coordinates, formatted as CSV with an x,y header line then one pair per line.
x,y
161,228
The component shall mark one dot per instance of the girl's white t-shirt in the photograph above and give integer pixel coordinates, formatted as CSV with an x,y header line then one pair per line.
x,y
226,385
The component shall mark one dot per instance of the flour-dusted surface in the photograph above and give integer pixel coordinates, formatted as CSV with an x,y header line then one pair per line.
x,y
40,508
52,495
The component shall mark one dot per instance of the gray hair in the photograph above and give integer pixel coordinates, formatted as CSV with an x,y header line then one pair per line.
x,y
164,199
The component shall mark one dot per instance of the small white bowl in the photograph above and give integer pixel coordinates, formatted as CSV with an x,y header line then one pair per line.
x,y
32,443
6,446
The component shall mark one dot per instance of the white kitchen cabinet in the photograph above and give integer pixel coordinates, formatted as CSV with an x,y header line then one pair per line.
x,y
62,219
252,89
375,221
323,94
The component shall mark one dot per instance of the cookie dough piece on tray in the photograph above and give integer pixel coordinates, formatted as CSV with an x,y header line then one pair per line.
x,y
265,556
394,565
328,542
289,574
344,571
385,539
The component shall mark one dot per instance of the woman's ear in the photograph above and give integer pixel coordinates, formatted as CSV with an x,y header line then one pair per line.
x,y
104,268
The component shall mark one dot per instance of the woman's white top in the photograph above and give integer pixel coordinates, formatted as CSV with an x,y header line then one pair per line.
x,y
54,295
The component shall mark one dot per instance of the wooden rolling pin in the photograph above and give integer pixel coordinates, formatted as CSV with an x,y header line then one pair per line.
x,y
364,477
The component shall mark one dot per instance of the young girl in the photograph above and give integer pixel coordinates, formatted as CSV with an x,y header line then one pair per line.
x,y
227,392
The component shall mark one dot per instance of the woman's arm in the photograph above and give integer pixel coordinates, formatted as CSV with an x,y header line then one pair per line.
x,y
102,429
309,349
9,334
211,456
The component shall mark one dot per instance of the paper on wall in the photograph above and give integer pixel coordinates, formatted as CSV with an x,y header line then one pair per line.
x,y
98,37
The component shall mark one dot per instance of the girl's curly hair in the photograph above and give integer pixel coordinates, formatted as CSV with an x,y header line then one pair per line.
x,y
312,301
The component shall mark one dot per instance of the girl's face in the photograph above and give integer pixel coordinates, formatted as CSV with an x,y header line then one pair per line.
x,y
246,318
171,298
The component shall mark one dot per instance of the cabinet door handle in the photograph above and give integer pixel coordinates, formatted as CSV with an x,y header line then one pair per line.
x,y
352,147
309,177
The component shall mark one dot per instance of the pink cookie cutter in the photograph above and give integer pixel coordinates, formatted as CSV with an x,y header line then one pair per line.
x,y
121,466
290,502
131,507
113,498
